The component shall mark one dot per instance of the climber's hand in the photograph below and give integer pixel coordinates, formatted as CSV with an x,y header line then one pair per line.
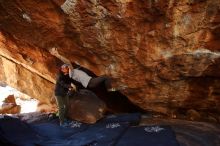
x,y
52,100
54,51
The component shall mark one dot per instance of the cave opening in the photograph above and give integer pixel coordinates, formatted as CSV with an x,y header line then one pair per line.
x,y
13,101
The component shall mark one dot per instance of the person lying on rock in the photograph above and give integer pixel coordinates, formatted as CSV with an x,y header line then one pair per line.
x,y
81,76
64,84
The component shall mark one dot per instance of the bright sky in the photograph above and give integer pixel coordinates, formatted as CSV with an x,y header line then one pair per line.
x,y
27,105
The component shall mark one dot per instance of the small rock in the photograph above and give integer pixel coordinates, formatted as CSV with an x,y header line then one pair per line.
x,y
26,17
152,33
193,115
3,84
168,25
46,107
10,109
9,106
212,119
10,99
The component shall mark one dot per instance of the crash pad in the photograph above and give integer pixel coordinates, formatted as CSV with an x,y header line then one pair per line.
x,y
112,130
148,136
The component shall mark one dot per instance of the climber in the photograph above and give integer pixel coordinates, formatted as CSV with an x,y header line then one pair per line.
x,y
64,84
82,77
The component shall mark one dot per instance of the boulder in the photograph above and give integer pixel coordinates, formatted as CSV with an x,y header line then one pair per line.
x,y
9,106
10,99
193,114
86,107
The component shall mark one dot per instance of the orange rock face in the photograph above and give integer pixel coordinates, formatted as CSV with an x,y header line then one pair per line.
x,y
165,53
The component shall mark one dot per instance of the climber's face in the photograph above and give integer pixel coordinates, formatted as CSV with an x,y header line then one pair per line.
x,y
65,70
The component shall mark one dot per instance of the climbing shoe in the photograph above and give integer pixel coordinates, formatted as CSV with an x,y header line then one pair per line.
x,y
118,88
112,90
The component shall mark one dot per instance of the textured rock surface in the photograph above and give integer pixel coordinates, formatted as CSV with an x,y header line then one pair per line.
x,y
165,52
86,107
20,77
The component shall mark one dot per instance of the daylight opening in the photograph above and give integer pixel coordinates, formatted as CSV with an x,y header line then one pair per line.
x,y
12,101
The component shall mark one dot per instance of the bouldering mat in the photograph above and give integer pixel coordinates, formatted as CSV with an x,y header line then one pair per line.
x,y
130,118
111,131
17,132
148,136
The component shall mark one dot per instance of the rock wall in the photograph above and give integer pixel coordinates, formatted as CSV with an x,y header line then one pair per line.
x,y
26,81
164,52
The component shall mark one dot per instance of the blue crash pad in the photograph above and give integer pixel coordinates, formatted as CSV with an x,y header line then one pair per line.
x,y
16,132
130,118
54,131
148,136
101,134
112,130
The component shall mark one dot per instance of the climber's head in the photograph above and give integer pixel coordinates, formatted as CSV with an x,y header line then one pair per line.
x,y
65,69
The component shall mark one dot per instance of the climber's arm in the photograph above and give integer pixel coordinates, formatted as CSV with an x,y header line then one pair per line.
x,y
55,53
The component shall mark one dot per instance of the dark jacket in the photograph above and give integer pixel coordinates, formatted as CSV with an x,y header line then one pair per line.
x,y
63,83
